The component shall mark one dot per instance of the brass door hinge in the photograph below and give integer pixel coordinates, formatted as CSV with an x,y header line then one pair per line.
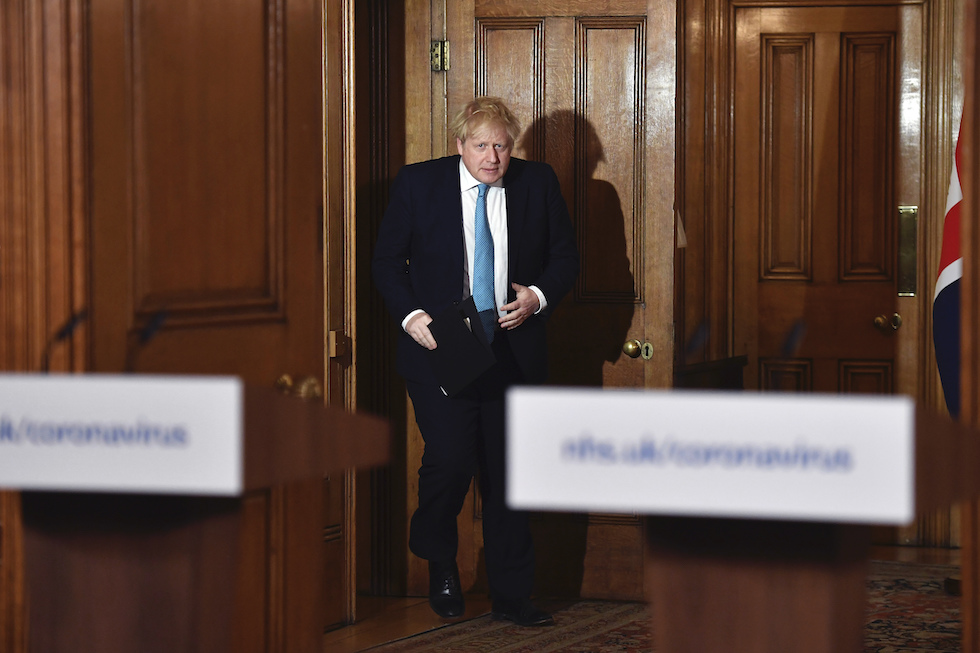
x,y
338,344
439,56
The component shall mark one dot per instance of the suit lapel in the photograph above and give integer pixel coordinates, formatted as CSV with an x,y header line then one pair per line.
x,y
515,182
451,211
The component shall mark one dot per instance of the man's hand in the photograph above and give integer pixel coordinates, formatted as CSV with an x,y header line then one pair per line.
x,y
520,309
418,328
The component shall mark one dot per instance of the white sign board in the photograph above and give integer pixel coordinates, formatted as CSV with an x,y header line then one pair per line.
x,y
139,434
712,454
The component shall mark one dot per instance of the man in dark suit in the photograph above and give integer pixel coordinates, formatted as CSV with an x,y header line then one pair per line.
x,y
496,228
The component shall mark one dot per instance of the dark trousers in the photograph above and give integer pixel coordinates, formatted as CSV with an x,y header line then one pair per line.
x,y
465,434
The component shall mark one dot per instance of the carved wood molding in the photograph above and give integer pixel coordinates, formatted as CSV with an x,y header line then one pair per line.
x,y
485,29
787,127
192,288
570,7
628,35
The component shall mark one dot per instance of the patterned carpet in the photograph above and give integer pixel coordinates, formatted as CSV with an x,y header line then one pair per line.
x,y
908,612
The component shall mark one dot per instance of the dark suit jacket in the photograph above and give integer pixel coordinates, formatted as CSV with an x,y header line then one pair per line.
x,y
418,258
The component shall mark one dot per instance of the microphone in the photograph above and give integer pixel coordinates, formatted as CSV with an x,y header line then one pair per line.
x,y
143,337
63,333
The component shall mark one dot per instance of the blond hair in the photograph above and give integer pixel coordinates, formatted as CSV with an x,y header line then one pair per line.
x,y
480,111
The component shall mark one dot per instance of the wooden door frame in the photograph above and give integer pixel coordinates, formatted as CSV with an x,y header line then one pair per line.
x,y
425,133
340,235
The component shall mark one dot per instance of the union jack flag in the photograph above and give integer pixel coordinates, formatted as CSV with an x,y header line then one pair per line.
x,y
946,301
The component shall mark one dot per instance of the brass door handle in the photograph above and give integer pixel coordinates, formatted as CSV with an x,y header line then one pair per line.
x,y
635,349
306,388
886,323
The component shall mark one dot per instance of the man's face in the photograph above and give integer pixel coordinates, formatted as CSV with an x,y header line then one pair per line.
x,y
486,152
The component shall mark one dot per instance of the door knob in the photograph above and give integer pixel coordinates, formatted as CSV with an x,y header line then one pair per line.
x,y
886,323
632,348
306,388
635,349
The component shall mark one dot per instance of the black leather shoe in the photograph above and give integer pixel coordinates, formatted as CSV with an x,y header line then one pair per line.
x,y
522,612
445,593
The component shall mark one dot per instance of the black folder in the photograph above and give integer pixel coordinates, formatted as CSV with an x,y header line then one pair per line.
x,y
462,354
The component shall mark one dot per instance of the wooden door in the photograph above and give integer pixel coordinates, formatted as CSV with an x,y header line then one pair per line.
x,y
824,154
594,86
207,244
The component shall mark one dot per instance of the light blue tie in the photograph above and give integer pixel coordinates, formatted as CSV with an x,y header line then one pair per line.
x,y
483,294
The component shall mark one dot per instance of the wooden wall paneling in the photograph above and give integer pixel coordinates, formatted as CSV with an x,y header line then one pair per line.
x,y
969,315
42,149
42,228
22,145
941,118
704,272
15,325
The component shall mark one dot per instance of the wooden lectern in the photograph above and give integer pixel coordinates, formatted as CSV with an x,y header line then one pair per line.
x,y
737,585
110,571
732,571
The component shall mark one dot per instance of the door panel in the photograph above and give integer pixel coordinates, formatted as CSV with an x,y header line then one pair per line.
x,y
206,188
815,196
207,244
827,120
581,78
